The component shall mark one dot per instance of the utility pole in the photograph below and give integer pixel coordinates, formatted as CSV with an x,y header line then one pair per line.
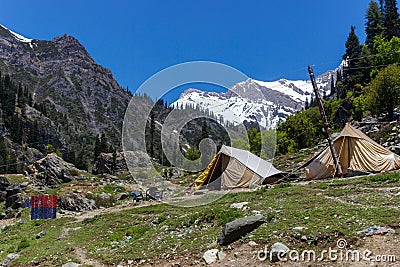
x,y
325,123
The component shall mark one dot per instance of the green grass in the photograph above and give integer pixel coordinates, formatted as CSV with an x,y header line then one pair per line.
x,y
16,178
152,232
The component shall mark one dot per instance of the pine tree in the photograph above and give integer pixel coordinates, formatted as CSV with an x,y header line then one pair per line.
x,y
373,24
97,148
365,62
391,19
338,77
351,73
104,144
152,131
80,161
381,4
333,89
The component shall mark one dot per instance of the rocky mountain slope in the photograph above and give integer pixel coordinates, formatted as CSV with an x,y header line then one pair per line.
x,y
79,98
253,100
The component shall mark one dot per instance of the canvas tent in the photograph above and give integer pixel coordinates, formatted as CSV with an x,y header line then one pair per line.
x,y
357,153
232,167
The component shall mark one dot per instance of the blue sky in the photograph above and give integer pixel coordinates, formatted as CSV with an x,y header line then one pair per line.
x,y
266,40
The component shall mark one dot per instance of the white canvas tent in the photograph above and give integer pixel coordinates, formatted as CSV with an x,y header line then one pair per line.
x,y
357,153
232,167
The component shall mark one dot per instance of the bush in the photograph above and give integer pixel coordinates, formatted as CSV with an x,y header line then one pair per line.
x,y
23,244
383,94
359,107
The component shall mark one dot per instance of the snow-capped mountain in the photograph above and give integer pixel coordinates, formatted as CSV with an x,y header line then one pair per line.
x,y
253,100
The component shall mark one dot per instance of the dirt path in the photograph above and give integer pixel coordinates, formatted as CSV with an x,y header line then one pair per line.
x,y
81,255
90,214
7,222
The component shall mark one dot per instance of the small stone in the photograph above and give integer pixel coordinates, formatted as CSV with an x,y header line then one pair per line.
x,y
221,255
239,205
299,228
41,234
210,256
278,250
252,244
303,238
70,264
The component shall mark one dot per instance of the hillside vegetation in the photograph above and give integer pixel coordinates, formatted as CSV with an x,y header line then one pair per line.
x,y
161,233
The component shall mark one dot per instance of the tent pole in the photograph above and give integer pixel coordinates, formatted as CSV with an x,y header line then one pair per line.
x,y
325,123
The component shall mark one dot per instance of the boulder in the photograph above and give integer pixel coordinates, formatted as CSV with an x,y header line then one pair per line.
x,y
14,201
278,251
75,202
2,196
51,171
13,190
4,183
106,163
238,228
122,196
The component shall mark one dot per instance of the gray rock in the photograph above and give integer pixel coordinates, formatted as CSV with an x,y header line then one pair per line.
x,y
3,196
14,201
395,149
122,196
234,230
211,256
24,185
41,234
299,228
303,238
278,251
51,171
71,264
376,230
252,244
9,258
4,183
105,196
239,205
221,255
75,202
13,189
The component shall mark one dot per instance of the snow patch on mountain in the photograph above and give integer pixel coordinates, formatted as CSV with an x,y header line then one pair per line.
x,y
254,100
18,36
